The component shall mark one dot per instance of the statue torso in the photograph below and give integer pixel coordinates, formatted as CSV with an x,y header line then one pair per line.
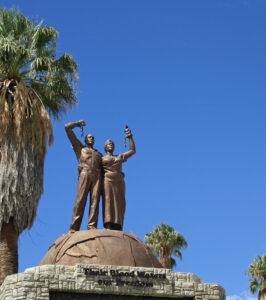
x,y
112,166
90,159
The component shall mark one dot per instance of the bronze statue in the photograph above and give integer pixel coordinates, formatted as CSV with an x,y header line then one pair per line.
x,y
114,203
90,177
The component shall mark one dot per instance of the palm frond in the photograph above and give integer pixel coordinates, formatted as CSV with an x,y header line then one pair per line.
x,y
43,37
27,52
165,241
173,263
33,83
257,273
66,64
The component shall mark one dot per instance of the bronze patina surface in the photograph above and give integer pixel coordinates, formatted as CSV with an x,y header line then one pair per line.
x,y
99,175
104,247
114,203
90,177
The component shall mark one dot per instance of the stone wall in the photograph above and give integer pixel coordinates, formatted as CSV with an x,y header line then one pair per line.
x,y
39,282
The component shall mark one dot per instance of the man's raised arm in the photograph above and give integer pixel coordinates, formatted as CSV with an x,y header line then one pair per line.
x,y
75,142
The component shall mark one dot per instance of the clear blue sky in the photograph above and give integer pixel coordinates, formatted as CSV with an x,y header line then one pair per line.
x,y
189,78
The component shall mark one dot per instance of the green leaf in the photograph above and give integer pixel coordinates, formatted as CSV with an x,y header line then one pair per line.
x,y
165,242
28,53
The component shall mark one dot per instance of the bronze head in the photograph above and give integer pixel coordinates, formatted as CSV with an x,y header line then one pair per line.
x,y
89,140
109,146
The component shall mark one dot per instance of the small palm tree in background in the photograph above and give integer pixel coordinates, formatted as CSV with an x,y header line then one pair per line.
x,y
257,272
33,84
165,242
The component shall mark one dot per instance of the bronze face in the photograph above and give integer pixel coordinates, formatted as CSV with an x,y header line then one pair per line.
x,y
109,146
89,140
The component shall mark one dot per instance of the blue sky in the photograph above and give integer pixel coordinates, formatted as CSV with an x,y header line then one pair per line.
x,y
189,78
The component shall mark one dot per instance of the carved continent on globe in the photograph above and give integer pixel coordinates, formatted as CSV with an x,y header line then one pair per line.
x,y
104,247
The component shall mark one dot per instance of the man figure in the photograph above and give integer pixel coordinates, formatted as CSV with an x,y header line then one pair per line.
x,y
90,177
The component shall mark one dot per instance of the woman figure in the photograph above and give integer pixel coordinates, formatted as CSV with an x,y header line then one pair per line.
x,y
114,202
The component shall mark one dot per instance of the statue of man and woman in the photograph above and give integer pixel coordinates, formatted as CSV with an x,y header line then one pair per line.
x,y
99,175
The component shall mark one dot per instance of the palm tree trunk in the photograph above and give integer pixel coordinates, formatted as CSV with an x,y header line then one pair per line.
x,y
8,250
262,294
166,262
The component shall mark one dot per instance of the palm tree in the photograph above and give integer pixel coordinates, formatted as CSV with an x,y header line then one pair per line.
x,y
33,84
257,271
165,242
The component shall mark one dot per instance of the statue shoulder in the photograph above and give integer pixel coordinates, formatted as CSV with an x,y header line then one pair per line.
x,y
98,152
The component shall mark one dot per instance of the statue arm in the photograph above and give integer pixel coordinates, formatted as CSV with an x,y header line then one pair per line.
x,y
75,142
132,147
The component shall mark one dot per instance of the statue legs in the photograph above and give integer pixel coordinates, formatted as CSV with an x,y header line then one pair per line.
x,y
113,226
87,183
95,191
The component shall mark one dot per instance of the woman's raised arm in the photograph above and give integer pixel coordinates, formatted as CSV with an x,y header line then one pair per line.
x,y
132,147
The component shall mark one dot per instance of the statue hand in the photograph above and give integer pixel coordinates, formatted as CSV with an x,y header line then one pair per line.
x,y
81,123
128,133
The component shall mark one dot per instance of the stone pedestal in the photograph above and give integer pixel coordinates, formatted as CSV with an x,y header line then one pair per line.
x,y
103,282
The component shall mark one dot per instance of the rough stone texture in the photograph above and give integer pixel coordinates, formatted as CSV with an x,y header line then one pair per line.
x,y
105,247
38,282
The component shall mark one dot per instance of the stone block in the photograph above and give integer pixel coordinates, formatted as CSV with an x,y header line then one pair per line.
x,y
35,283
